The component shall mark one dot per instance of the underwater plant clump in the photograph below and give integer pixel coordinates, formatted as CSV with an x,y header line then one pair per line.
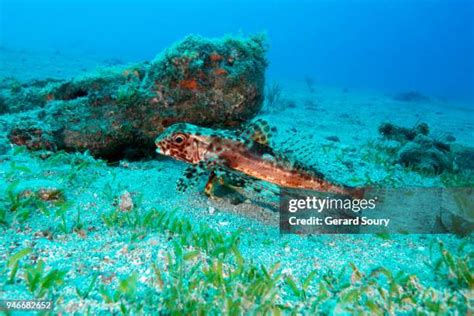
x,y
117,112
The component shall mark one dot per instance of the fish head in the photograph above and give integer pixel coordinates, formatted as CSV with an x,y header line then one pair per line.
x,y
183,141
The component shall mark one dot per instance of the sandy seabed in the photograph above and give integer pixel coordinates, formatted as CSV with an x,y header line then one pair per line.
x,y
303,118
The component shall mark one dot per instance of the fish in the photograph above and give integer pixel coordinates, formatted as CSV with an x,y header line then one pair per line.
x,y
241,156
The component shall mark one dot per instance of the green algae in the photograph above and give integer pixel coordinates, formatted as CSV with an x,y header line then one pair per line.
x,y
454,268
39,282
203,263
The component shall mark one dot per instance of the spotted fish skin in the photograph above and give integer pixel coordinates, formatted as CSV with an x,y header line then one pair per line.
x,y
247,153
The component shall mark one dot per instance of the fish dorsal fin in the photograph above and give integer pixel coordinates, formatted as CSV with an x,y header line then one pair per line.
x,y
259,131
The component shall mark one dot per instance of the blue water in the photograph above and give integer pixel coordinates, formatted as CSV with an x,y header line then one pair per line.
x,y
385,45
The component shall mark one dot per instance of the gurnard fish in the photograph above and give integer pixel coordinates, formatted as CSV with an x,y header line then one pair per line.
x,y
240,157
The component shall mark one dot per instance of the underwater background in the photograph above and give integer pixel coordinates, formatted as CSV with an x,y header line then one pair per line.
x,y
370,93
385,45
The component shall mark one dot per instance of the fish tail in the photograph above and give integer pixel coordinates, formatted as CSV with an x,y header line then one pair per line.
x,y
372,193
358,193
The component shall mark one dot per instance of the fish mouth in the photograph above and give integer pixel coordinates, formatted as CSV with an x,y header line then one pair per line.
x,y
175,155
181,158
160,150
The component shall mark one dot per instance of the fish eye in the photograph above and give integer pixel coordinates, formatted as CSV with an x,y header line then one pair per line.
x,y
178,139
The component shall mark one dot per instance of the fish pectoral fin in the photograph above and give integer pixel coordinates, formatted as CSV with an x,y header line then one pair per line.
x,y
259,131
239,181
190,177
231,179
210,185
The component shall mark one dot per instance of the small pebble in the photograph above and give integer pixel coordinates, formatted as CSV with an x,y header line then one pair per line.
x,y
333,138
450,138
126,202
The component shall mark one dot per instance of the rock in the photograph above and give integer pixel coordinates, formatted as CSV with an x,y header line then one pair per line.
x,y
414,147
349,164
126,202
457,210
410,96
403,134
423,154
17,97
390,145
33,138
120,110
44,190
464,158
450,138
3,106
333,138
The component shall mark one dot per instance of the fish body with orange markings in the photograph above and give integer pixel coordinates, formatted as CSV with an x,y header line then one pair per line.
x,y
247,153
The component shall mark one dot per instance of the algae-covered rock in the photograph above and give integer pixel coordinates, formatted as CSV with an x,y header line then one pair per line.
x,y
417,149
119,111
457,210
403,134
424,154
17,97
464,158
